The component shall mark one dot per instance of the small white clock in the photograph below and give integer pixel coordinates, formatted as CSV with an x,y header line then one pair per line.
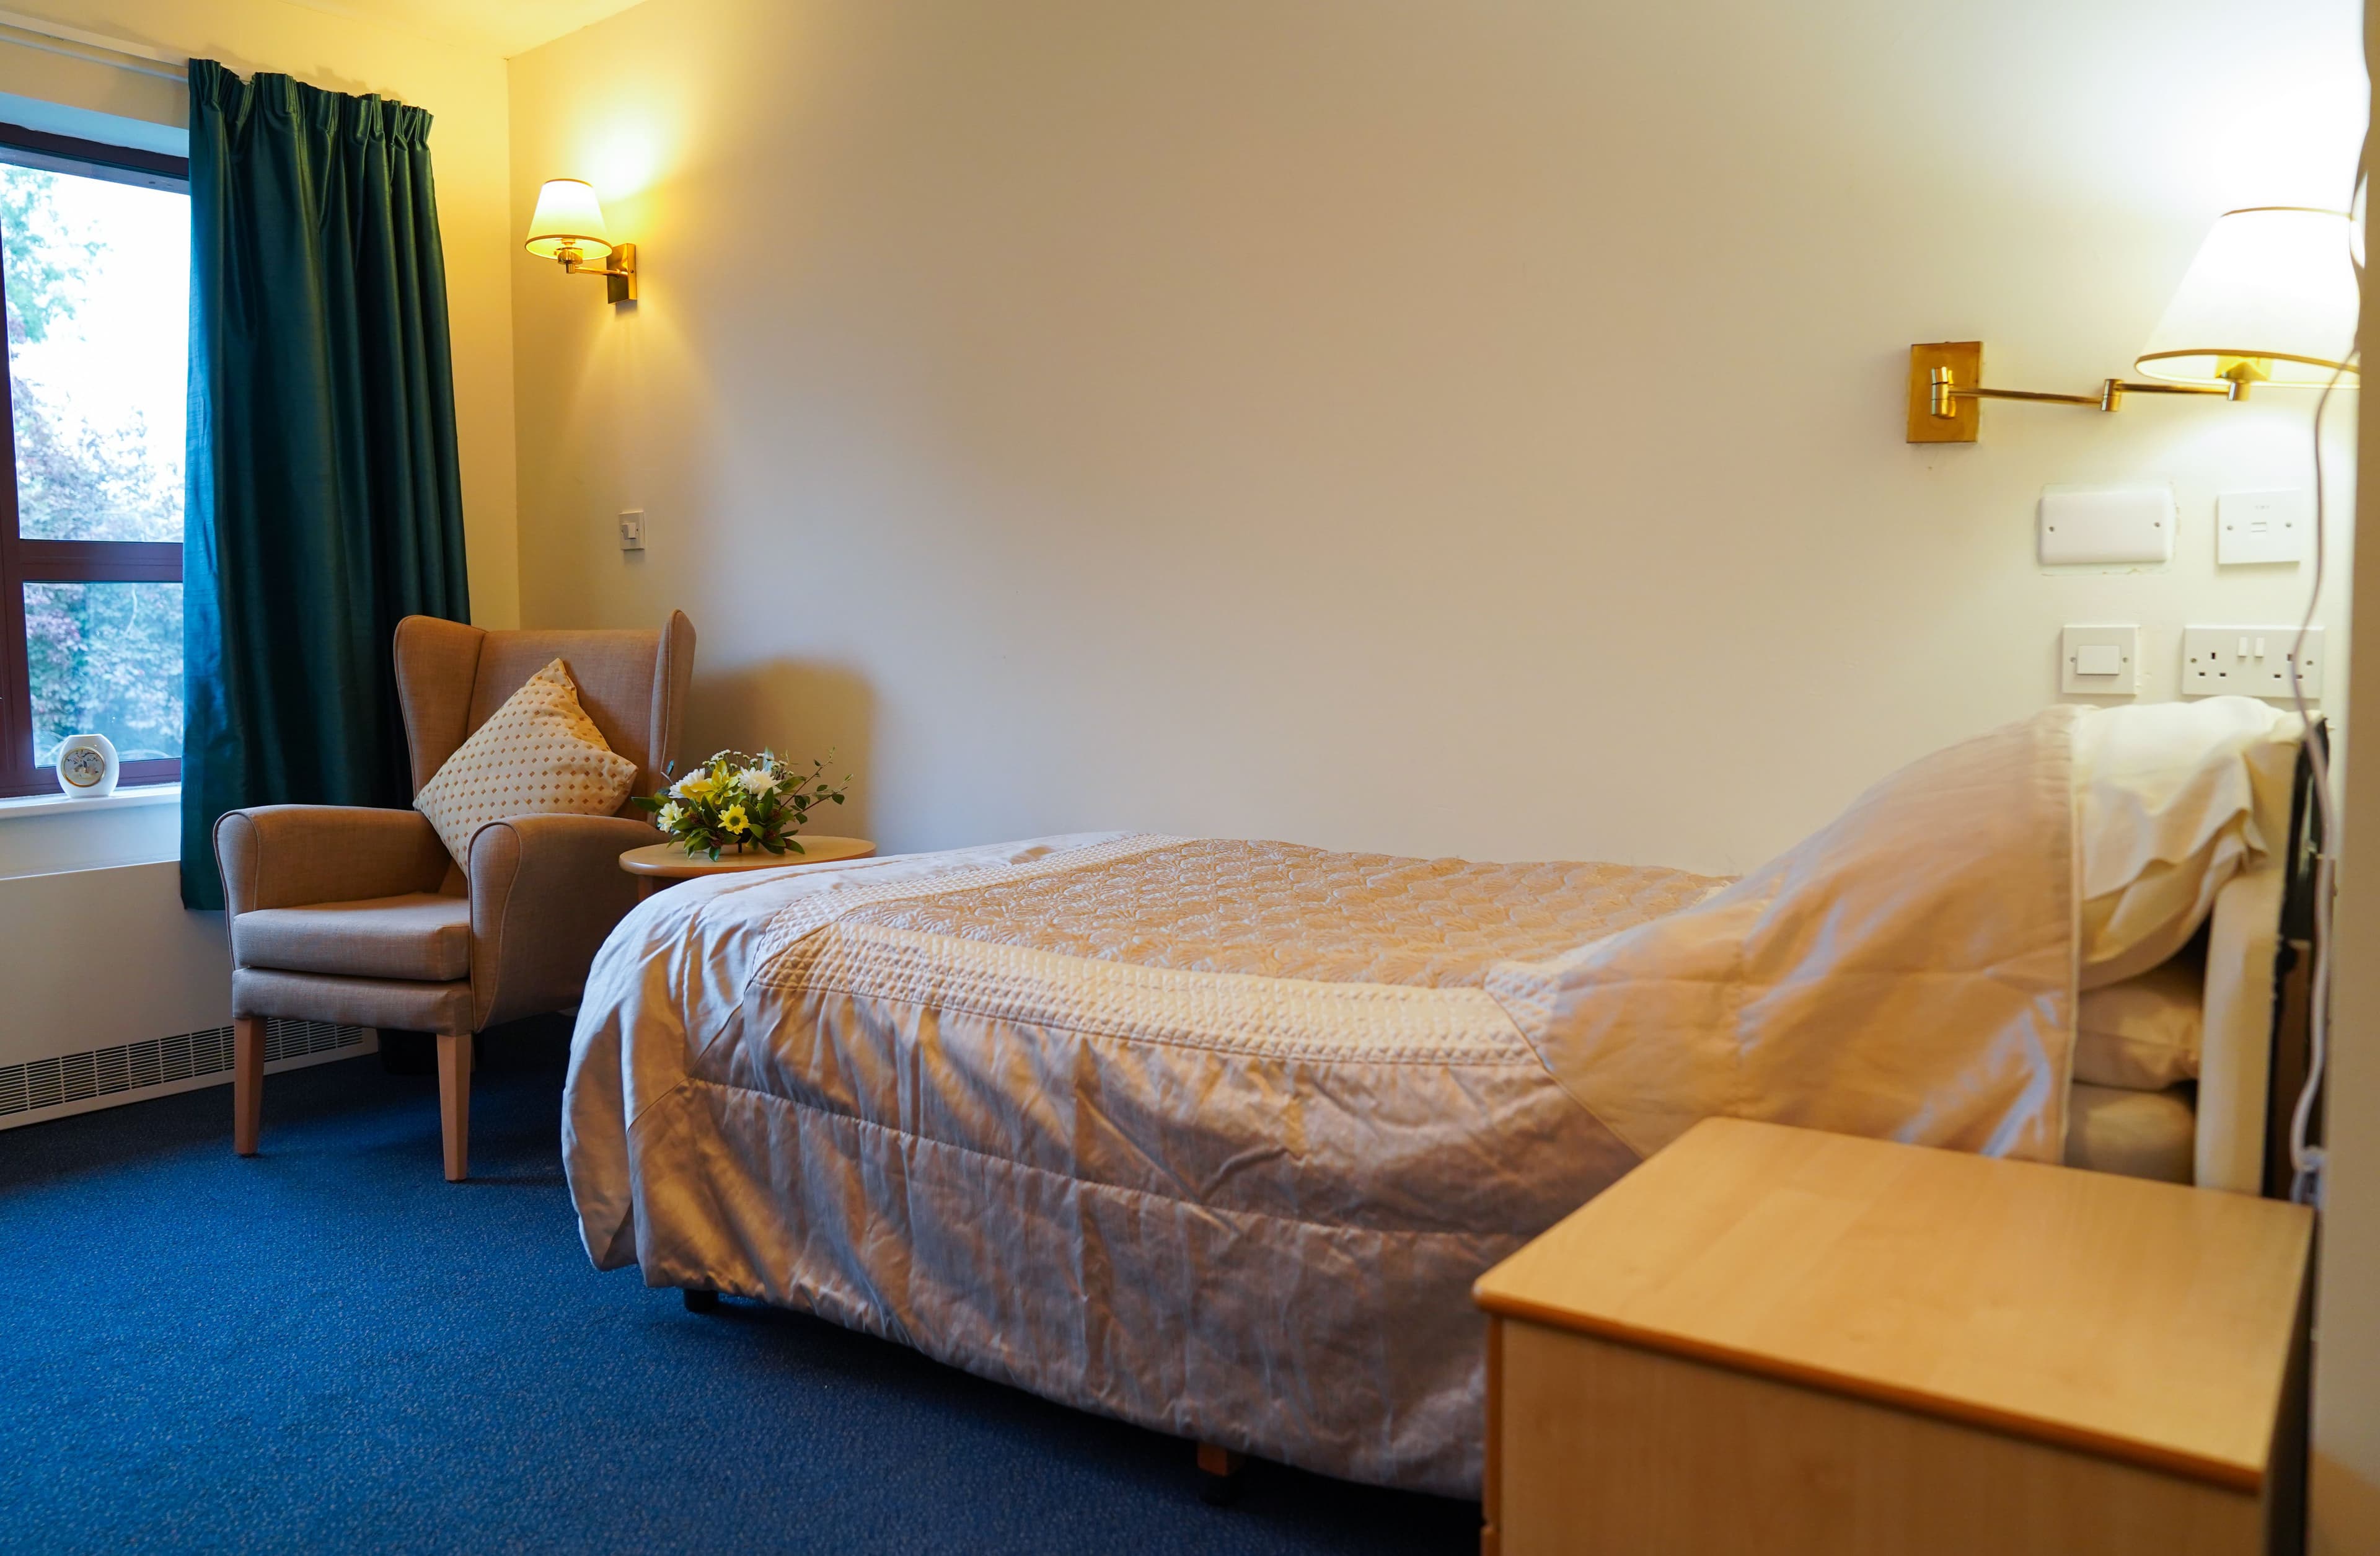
x,y
87,766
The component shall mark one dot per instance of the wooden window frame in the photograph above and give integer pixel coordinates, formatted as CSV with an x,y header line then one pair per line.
x,y
23,561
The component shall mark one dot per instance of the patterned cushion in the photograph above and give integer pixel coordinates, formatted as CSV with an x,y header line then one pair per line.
x,y
537,755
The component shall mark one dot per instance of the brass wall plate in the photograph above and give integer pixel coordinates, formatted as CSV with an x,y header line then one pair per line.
x,y
1965,361
622,288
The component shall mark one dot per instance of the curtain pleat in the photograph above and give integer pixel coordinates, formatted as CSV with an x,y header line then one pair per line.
x,y
323,503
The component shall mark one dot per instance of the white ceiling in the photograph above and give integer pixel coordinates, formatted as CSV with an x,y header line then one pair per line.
x,y
499,27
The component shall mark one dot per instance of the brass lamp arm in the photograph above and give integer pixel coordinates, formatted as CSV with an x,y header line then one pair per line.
x,y
1944,390
1947,390
2111,395
620,276
581,267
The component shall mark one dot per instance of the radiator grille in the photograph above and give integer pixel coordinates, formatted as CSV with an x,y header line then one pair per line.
x,y
79,1077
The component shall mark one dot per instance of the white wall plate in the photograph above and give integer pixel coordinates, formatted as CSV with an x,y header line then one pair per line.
x,y
2101,661
2107,525
2249,661
2252,526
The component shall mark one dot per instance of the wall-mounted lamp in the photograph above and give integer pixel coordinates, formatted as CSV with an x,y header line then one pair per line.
x,y
2271,299
568,226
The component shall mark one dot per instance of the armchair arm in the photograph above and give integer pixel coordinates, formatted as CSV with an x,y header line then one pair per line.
x,y
545,892
293,855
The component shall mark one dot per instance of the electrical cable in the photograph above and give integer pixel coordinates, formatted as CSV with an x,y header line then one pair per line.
x,y
2306,1158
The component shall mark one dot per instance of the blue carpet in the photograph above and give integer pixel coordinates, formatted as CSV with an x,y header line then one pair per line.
x,y
329,1348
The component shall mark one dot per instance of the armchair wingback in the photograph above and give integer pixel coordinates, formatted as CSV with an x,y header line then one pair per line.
x,y
450,677
358,916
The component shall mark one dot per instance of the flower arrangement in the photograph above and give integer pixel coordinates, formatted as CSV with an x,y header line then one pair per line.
x,y
737,801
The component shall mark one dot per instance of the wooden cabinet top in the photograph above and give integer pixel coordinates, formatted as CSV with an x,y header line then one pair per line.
x,y
2140,1320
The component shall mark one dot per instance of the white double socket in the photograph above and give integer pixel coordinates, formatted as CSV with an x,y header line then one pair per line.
x,y
2249,661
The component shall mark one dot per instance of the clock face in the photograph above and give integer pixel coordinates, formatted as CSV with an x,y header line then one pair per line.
x,y
81,766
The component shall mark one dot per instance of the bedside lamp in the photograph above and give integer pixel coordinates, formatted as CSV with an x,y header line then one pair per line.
x,y
569,227
2271,299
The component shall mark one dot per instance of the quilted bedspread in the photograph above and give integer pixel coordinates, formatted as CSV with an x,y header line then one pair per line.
x,y
1214,1136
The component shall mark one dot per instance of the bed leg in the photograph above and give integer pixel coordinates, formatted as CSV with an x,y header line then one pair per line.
x,y
1218,1475
701,1301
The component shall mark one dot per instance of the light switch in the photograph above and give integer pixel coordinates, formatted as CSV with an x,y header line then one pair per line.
x,y
2262,527
632,529
2107,525
2101,661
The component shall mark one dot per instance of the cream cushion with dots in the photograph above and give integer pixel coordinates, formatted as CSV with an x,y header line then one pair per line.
x,y
537,755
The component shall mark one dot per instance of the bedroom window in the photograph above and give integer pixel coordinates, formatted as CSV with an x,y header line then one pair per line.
x,y
95,265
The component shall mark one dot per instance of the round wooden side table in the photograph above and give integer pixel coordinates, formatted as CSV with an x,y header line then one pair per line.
x,y
657,864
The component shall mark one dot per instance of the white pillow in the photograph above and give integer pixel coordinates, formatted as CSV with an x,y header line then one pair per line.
x,y
2144,1033
537,755
2176,798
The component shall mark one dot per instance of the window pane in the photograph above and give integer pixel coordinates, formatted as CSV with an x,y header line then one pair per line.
x,y
98,300
106,659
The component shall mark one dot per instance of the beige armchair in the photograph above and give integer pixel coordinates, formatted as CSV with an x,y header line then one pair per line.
x,y
358,916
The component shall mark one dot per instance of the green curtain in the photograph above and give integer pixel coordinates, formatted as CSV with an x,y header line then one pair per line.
x,y
323,503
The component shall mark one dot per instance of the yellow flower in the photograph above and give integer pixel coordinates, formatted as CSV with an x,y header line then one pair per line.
x,y
734,820
695,785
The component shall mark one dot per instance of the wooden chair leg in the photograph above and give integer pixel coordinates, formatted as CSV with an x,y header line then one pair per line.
x,y
247,1082
455,1103
1219,1470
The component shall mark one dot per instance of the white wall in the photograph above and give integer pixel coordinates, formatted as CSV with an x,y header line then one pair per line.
x,y
96,949
44,834
92,958
1463,429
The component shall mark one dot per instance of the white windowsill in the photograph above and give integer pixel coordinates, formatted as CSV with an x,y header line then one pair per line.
x,y
122,799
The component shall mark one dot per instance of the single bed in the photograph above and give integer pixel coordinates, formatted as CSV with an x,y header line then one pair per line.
x,y
1213,1136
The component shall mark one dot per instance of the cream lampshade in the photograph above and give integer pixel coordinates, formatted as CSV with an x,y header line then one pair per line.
x,y
567,217
2270,298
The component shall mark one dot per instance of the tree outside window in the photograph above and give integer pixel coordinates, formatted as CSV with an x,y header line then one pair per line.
x,y
96,283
